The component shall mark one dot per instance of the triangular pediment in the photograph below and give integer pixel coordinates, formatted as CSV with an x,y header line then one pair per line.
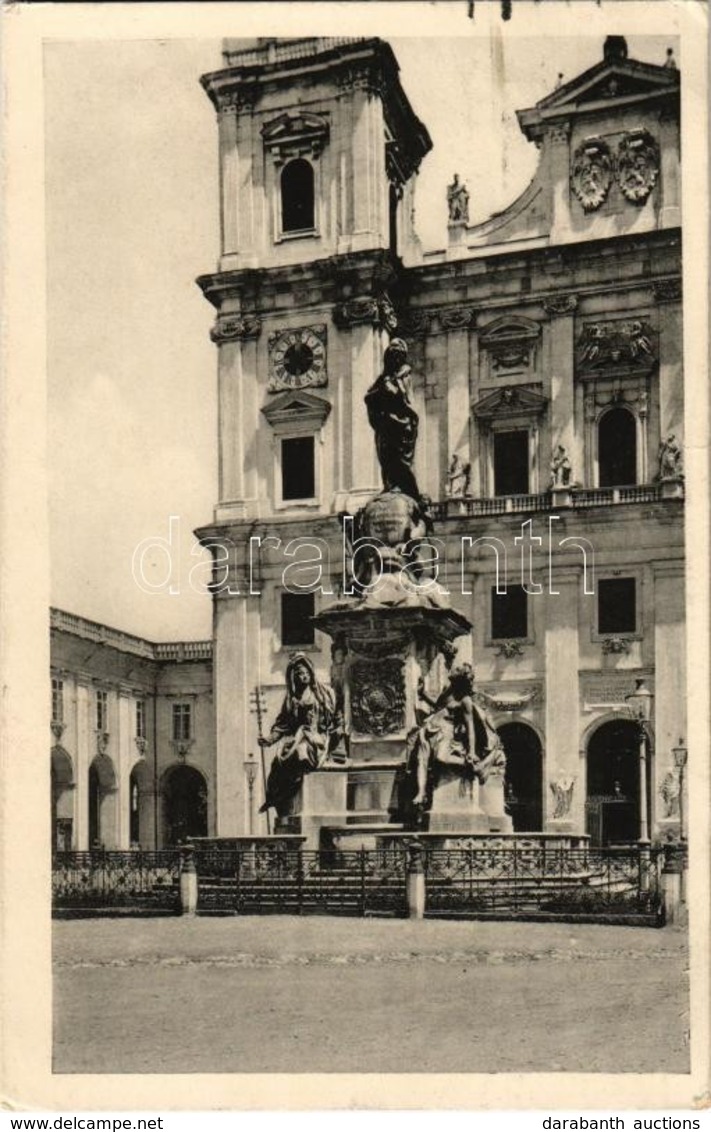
x,y
514,401
509,328
609,81
616,83
300,408
291,125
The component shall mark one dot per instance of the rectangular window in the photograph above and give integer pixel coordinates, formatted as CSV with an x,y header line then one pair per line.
x,y
102,710
57,701
617,605
297,626
298,469
509,613
140,719
511,463
182,721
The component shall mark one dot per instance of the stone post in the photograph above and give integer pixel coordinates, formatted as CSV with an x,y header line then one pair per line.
x,y
188,884
415,882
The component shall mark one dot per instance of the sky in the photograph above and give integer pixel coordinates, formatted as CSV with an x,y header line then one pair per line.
x,y
132,220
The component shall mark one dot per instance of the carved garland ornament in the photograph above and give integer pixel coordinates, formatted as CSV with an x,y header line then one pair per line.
x,y
377,696
366,310
231,328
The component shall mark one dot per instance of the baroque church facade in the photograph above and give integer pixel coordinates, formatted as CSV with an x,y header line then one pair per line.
x,y
545,348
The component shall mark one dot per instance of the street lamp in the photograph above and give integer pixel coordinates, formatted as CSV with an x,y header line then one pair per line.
x,y
640,703
250,770
680,755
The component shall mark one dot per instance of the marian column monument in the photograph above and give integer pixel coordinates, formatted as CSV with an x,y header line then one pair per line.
x,y
439,759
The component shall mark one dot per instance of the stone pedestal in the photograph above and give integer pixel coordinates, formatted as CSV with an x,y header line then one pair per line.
x,y
322,801
456,807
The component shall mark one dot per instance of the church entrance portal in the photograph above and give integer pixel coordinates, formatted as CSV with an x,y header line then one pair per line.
x,y
185,805
613,783
524,776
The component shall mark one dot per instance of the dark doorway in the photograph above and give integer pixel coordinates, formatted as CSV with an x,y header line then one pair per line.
x,y
185,802
511,463
617,448
102,804
62,800
94,808
524,776
613,783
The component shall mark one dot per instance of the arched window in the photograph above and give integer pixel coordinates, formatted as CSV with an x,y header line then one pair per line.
x,y
297,196
102,803
617,448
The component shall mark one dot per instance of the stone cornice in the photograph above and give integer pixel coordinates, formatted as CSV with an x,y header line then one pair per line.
x,y
338,278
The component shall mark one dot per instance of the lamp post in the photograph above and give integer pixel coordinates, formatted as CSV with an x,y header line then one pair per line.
x,y
640,703
680,755
250,770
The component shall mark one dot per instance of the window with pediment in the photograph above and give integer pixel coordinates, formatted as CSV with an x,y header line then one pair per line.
x,y
297,420
294,143
509,422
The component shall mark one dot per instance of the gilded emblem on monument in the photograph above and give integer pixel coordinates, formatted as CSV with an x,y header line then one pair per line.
x,y
637,165
378,696
297,358
591,174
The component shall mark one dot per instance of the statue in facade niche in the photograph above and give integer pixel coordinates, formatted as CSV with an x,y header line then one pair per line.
x,y
458,478
394,421
307,730
457,737
561,469
670,459
458,202
562,787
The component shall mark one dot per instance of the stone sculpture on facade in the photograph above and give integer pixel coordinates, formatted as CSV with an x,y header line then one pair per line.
x,y
457,738
458,478
670,459
591,173
637,165
562,787
561,468
307,730
458,202
394,421
670,792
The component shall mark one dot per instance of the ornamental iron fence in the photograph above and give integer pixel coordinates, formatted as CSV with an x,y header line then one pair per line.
x,y
104,880
532,880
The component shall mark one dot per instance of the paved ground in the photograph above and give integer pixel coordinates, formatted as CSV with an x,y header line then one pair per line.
x,y
285,994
